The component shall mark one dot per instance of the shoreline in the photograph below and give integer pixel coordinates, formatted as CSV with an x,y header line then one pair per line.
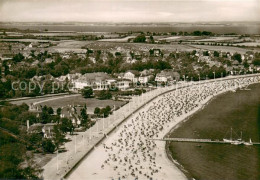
x,y
174,161
167,150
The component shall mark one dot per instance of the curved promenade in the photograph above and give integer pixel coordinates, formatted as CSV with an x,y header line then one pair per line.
x,y
131,138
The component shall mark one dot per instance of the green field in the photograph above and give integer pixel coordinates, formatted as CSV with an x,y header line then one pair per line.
x,y
56,102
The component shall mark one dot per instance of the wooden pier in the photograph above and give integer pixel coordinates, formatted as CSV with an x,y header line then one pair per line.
x,y
199,141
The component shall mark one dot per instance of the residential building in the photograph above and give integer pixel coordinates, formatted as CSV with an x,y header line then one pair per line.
x,y
131,75
123,84
98,81
45,129
166,76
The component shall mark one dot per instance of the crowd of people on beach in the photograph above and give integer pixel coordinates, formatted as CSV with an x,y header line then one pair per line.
x,y
134,153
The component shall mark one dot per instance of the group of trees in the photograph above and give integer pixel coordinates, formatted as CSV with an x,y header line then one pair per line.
x,y
140,38
237,57
13,134
87,92
102,112
256,61
194,33
14,144
103,94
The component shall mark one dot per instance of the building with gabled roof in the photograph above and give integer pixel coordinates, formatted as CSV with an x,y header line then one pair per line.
x,y
167,75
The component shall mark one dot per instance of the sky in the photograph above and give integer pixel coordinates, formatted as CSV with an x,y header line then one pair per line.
x,y
129,10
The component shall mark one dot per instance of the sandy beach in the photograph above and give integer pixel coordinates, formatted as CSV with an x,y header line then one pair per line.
x,y
130,151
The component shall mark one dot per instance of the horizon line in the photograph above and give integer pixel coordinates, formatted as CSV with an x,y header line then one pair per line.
x,y
130,22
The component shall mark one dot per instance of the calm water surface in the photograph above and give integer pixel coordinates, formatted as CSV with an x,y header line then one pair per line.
x,y
239,110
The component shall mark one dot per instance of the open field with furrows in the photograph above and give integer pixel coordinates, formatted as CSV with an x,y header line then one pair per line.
x,y
27,40
251,44
225,48
217,39
110,46
72,33
125,39
179,38
72,44
69,46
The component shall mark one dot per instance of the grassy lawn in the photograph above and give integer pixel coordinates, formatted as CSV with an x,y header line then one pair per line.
x,y
91,103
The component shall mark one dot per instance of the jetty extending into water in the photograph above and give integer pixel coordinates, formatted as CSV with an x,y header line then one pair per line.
x,y
199,141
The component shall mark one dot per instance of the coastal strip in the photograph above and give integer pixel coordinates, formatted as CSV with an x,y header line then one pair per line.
x,y
98,152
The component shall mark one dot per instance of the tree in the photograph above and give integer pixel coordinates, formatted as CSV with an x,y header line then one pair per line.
x,y
196,33
66,126
104,94
205,53
97,111
180,33
35,139
117,54
59,136
11,156
24,116
246,65
87,92
31,172
140,38
50,110
58,111
216,54
108,109
44,117
84,116
105,111
256,62
18,57
48,146
206,33
237,57
151,51
151,39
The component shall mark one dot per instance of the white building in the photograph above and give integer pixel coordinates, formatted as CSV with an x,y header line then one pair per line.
x,y
131,75
80,84
124,84
166,76
98,81
143,79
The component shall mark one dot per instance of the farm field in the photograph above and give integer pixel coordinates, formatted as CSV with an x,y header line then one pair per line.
x,y
216,39
223,48
27,40
118,39
254,44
